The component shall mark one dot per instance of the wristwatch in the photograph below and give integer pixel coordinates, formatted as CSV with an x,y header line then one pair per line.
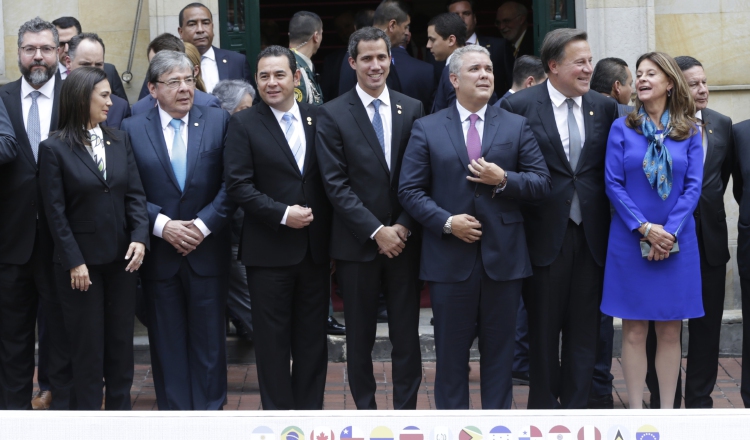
x,y
447,229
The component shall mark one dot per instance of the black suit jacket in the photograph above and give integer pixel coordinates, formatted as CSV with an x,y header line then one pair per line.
x,y
546,221
362,190
741,190
263,178
496,48
92,220
20,198
509,59
114,81
717,168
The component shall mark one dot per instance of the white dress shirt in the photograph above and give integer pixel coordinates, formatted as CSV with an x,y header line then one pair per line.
x,y
472,39
386,117
44,103
209,70
560,108
704,140
466,123
169,133
300,131
63,70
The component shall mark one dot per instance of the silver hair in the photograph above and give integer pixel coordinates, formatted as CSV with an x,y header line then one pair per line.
x,y
457,59
35,26
164,62
231,91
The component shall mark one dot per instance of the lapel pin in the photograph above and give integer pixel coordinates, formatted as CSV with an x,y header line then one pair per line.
x,y
399,112
196,124
309,118
108,142
309,122
224,61
710,131
591,113
398,106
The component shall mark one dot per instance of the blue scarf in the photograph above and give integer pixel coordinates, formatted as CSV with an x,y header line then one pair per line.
x,y
657,164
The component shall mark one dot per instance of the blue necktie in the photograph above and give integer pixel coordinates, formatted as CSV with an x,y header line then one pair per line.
x,y
295,143
179,154
377,124
33,127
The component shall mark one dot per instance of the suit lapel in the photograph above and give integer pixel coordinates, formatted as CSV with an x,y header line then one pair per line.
x,y
83,154
589,111
304,111
56,104
363,121
490,129
547,117
273,127
222,65
397,124
15,112
112,156
196,125
710,141
455,132
156,135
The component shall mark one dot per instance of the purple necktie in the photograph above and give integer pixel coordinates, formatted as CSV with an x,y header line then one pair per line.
x,y
473,143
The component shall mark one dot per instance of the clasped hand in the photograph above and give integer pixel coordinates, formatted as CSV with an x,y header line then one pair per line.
x,y
183,235
299,217
661,242
392,240
466,228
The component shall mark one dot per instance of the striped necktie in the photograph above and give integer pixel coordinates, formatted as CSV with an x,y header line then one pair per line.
x,y
294,141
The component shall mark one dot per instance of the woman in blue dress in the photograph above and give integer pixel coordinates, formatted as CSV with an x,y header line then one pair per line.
x,y
653,177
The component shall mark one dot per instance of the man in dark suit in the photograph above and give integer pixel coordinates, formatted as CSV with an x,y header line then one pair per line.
x,y
87,50
408,75
273,175
445,33
26,274
69,27
566,233
473,251
360,141
512,22
465,10
146,102
711,228
612,78
179,148
527,72
197,27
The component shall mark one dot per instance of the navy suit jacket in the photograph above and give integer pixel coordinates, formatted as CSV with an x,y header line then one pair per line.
x,y
445,95
204,195
500,101
200,98
416,76
433,187
119,111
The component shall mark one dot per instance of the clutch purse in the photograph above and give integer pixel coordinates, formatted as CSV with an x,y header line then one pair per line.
x,y
646,248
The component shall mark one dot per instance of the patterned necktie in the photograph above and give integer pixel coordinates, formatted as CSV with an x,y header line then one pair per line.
x,y
33,127
574,147
377,123
473,143
294,141
179,154
97,147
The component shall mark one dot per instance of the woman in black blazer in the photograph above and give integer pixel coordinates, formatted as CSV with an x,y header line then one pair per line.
x,y
96,207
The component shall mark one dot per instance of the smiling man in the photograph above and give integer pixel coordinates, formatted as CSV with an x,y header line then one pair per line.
x,y
466,171
567,233
361,138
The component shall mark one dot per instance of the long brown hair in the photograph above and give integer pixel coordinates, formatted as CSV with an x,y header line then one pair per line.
x,y
195,57
75,105
680,105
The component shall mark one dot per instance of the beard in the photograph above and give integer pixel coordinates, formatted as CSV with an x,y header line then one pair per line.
x,y
37,77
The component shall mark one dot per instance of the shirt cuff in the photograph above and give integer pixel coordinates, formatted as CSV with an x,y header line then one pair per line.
x,y
159,223
286,213
372,237
202,226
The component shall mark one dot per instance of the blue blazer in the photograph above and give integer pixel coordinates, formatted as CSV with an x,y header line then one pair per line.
x,y
204,195
201,98
119,111
433,187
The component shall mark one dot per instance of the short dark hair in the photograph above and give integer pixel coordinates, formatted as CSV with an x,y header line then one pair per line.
x,y
193,5
470,2
367,34
165,41
687,62
606,72
553,47
35,26
76,40
68,22
526,66
447,24
303,25
75,104
277,51
390,10
363,18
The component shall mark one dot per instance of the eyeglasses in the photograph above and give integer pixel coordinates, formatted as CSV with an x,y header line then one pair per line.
x,y
175,83
30,51
507,21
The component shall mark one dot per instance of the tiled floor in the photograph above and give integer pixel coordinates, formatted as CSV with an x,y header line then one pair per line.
x,y
243,387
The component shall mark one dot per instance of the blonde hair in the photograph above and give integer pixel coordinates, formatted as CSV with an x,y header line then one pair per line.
x,y
680,104
195,57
